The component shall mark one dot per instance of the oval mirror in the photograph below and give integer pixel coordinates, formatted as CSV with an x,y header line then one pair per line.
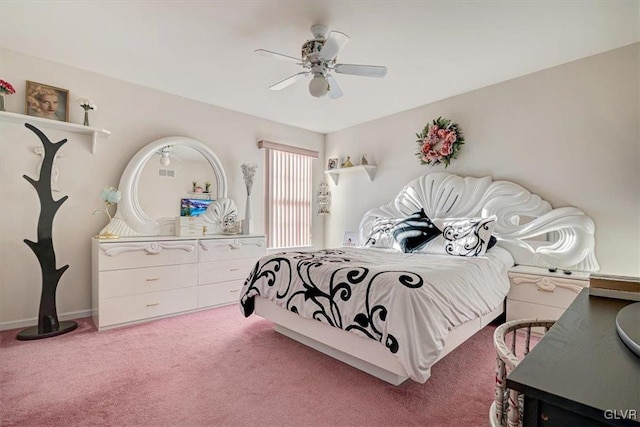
x,y
175,180
163,178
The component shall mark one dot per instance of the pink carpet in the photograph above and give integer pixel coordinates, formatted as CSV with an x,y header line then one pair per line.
x,y
216,368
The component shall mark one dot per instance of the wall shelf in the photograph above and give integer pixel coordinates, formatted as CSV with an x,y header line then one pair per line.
x,y
201,196
334,174
54,124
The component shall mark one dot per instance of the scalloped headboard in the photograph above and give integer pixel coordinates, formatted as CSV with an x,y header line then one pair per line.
x,y
527,226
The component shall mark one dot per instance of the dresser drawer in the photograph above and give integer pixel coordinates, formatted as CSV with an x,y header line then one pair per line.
x,y
223,271
117,283
526,310
219,293
551,291
115,256
130,308
224,249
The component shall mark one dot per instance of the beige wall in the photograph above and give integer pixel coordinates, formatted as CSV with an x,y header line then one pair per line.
x,y
136,116
570,134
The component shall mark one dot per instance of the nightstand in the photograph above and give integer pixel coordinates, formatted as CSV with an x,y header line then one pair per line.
x,y
537,293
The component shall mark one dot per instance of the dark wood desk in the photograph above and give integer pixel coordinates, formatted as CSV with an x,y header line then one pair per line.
x,y
581,373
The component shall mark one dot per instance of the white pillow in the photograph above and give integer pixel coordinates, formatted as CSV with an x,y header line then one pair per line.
x,y
381,235
461,236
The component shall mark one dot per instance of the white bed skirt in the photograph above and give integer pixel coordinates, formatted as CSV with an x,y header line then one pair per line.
x,y
362,353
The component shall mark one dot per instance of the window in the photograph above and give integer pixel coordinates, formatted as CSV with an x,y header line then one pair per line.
x,y
289,195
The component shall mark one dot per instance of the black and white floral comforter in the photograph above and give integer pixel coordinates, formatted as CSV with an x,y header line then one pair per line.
x,y
408,302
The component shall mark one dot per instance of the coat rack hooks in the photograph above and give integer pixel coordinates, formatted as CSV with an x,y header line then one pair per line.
x,y
48,324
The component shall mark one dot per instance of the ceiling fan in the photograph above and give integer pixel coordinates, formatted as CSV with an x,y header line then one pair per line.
x,y
165,153
319,59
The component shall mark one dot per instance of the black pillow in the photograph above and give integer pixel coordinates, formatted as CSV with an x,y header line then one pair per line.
x,y
492,242
414,231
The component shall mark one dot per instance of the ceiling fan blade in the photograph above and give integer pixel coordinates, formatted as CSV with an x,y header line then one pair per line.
x,y
335,41
289,81
334,89
280,56
361,70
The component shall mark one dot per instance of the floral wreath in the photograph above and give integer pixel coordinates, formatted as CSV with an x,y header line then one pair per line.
x,y
439,142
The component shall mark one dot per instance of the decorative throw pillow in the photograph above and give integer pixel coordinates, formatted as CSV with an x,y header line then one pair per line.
x,y
462,236
381,235
414,231
492,242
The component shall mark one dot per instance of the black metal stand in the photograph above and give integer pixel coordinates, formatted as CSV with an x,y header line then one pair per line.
x,y
48,325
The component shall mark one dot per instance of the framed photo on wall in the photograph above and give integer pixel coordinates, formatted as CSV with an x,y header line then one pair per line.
x,y
332,164
48,102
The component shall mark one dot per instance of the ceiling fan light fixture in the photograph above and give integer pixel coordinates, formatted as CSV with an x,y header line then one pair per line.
x,y
319,59
318,86
164,159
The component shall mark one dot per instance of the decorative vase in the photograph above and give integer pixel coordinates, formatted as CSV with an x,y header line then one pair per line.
x,y
2,102
247,223
86,117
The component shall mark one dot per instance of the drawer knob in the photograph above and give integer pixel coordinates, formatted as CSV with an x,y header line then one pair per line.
x,y
153,304
234,290
153,279
544,417
234,269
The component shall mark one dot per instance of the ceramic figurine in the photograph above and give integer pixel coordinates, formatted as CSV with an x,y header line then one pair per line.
x,y
230,224
347,163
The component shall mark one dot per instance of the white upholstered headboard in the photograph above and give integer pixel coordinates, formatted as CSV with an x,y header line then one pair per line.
x,y
527,226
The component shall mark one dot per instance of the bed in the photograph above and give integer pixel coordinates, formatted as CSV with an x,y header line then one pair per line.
x,y
395,305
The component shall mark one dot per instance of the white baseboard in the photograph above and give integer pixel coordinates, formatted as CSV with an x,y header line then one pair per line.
x,y
16,324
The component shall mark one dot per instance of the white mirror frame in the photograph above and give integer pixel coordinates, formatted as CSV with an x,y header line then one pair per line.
x,y
130,219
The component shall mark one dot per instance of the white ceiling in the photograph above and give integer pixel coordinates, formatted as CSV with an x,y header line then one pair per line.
x,y
203,50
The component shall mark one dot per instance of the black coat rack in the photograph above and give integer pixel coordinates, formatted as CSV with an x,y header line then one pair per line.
x,y
48,324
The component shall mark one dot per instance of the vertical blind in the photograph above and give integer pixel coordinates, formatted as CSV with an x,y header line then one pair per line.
x,y
289,199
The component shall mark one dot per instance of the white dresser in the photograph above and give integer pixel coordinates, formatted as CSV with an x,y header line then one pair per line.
x,y
139,279
538,293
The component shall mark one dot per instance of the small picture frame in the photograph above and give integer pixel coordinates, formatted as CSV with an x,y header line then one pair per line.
x,y
350,238
332,163
48,102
